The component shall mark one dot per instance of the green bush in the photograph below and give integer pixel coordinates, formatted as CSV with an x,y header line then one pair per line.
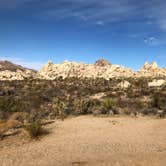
x,y
35,129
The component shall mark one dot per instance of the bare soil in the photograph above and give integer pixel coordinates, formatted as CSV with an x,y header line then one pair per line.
x,y
92,141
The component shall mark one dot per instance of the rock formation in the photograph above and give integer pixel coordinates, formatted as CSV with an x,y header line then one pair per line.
x,y
101,68
151,70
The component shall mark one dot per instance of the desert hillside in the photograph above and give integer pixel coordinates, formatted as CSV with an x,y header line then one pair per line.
x,y
11,71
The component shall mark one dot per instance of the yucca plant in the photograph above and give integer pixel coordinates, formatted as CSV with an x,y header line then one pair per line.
x,y
107,104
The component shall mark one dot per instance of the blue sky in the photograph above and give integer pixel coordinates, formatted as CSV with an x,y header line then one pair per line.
x,y
127,32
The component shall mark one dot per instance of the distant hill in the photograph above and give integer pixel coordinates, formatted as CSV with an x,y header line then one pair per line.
x,y
6,65
11,71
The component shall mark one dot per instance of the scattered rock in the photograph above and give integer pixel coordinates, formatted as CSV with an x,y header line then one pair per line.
x,y
98,96
124,84
96,112
111,112
156,83
161,113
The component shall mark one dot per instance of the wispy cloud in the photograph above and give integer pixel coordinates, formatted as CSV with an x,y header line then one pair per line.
x,y
155,41
95,11
29,64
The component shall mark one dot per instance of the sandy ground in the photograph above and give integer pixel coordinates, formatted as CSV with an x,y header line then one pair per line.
x,y
93,141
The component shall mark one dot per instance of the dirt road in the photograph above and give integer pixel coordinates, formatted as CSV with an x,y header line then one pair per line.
x,y
94,141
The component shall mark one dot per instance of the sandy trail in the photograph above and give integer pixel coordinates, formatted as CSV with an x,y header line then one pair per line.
x,y
94,141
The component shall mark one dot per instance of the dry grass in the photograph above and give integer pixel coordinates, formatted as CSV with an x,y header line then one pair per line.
x,y
5,126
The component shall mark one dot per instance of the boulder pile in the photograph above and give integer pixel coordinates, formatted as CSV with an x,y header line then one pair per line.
x,y
100,69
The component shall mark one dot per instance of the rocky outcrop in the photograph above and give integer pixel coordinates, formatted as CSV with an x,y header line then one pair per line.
x,y
10,71
102,62
150,67
101,69
151,70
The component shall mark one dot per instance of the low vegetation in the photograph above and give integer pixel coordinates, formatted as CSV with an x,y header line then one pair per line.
x,y
30,101
35,129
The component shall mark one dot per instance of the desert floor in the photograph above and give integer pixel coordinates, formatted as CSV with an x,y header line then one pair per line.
x,y
92,141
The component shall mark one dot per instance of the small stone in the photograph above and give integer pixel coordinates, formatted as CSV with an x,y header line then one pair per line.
x,y
111,112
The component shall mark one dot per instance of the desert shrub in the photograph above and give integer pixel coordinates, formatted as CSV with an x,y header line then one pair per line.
x,y
159,101
59,107
19,116
35,129
3,116
84,106
89,104
138,103
127,111
37,115
149,111
9,104
161,113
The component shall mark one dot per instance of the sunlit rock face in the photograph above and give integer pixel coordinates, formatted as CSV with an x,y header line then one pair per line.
x,y
101,69
148,66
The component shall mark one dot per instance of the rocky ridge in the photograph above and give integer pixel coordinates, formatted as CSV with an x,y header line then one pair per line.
x,y
100,69
10,71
